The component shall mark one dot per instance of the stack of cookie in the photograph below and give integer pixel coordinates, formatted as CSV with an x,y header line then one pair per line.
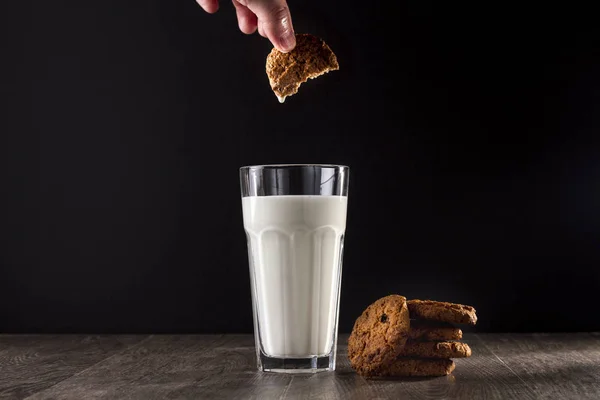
x,y
394,337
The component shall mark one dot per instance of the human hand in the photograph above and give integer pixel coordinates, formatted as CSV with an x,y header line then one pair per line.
x,y
271,17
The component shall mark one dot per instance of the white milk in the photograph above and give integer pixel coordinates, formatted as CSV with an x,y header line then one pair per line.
x,y
295,245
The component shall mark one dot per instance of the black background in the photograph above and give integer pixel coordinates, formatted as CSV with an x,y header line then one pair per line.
x,y
471,132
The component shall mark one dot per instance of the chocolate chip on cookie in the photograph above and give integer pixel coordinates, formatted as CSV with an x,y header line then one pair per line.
x,y
435,349
379,335
444,312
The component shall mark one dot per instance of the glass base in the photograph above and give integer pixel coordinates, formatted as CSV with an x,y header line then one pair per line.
x,y
308,365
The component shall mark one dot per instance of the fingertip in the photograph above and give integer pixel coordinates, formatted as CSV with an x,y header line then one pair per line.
x,y
210,6
246,23
247,20
284,43
247,27
287,42
275,21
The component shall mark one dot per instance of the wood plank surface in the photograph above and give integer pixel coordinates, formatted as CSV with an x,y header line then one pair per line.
x,y
554,366
503,366
31,363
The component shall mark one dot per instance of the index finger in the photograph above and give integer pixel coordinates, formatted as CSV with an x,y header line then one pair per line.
x,y
210,6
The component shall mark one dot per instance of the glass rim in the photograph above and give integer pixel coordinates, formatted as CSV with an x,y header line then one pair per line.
x,y
286,166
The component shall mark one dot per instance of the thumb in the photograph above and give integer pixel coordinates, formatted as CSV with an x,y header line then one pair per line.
x,y
276,21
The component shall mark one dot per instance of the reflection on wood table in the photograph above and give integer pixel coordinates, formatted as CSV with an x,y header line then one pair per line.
x,y
503,366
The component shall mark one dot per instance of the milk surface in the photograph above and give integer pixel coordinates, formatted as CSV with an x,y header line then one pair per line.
x,y
295,251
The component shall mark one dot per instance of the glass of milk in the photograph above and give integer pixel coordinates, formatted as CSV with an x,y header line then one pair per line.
x,y
295,218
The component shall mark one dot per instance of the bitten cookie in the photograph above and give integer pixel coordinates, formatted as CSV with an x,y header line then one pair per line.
x,y
379,334
310,58
435,350
433,331
418,367
440,311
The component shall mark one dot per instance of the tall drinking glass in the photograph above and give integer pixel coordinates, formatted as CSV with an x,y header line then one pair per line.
x,y
295,219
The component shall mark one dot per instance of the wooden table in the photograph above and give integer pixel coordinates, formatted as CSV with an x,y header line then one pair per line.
x,y
503,366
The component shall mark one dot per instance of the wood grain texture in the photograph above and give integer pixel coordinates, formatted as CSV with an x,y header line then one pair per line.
x,y
224,367
31,363
554,366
